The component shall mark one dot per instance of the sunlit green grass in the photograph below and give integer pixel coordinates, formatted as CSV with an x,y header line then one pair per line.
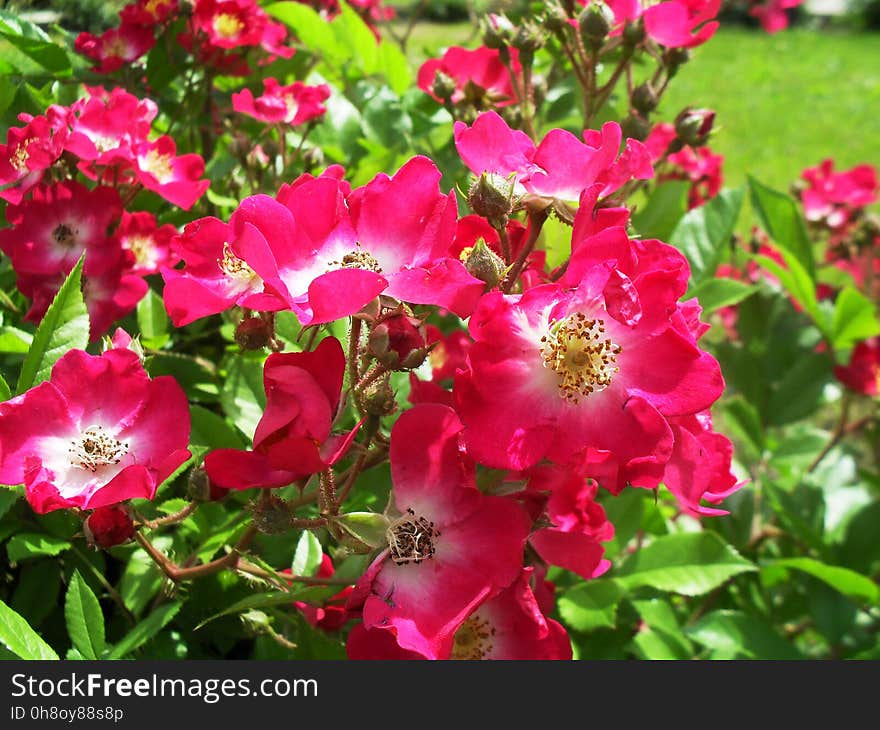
x,y
786,101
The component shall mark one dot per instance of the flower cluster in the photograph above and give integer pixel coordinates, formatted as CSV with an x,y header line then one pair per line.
x,y
219,33
55,218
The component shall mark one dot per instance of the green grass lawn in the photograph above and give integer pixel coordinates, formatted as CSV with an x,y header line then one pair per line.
x,y
784,102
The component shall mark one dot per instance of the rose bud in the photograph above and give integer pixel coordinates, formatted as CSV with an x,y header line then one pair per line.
x,y
271,515
595,23
398,341
484,264
497,32
255,333
443,86
200,488
108,526
644,98
693,126
636,127
377,398
634,33
491,196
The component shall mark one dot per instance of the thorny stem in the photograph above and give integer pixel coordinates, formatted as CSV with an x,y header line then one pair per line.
x,y
171,519
327,487
177,573
377,372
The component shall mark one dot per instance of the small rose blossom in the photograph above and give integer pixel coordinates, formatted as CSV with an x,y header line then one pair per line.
x,y
116,47
97,433
450,547
293,438
294,104
510,626
479,76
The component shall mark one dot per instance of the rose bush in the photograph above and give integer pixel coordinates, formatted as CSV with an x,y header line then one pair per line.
x,y
469,360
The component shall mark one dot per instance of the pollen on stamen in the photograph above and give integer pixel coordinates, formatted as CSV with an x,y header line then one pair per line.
x,y
233,266
411,539
357,259
95,448
577,349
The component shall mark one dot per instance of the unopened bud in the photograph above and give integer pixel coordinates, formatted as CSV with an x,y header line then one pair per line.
x,y
634,33
595,23
693,126
556,19
636,126
313,157
484,264
108,526
644,98
271,515
200,487
398,341
497,31
675,58
529,38
255,333
491,196
443,86
377,398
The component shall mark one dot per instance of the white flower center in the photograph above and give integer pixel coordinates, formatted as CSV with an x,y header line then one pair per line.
x,y
95,449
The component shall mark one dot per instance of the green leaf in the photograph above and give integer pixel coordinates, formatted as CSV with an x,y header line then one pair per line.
x,y
704,233
797,282
796,395
145,630
31,40
307,556
858,587
716,293
5,392
32,544
14,341
854,319
142,579
36,590
153,320
664,209
242,397
315,32
779,215
688,563
209,429
367,527
64,327
659,644
738,635
85,622
276,598
19,638
744,419
591,605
